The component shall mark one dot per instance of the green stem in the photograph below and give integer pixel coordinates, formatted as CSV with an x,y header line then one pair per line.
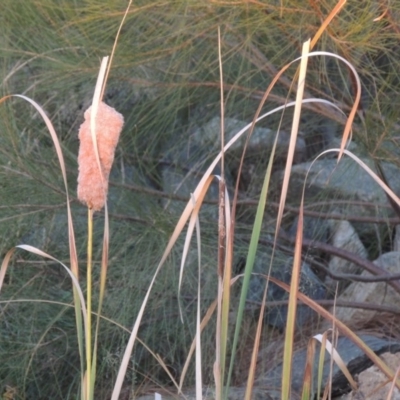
x,y
89,394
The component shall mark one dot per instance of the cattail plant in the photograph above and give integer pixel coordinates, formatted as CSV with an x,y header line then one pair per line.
x,y
98,137
93,178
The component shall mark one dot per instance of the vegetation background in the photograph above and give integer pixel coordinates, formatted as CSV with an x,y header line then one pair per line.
x,y
165,81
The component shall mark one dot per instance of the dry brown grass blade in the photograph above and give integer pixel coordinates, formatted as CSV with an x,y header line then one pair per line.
x,y
114,48
392,386
308,370
342,328
54,137
291,319
327,345
224,262
349,122
189,233
203,324
186,246
389,192
224,274
327,21
34,250
95,105
187,212
164,366
293,134
174,237
4,265
199,376
225,241
71,235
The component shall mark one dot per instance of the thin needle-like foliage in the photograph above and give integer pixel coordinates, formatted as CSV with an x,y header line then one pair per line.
x,y
172,66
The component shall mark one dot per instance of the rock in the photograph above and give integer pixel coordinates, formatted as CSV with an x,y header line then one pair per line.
x,y
354,358
257,152
370,292
344,237
345,181
261,141
373,382
310,285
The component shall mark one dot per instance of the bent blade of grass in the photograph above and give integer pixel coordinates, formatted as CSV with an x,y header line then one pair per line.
x,y
326,22
174,237
236,137
347,133
256,228
290,326
71,235
114,48
325,345
294,285
287,357
198,195
342,328
177,231
366,168
335,356
259,213
189,233
56,142
194,217
204,323
34,250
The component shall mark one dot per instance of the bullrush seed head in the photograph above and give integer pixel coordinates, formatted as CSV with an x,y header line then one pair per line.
x,y
93,183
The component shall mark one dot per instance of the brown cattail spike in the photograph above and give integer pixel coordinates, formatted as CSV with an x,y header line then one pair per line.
x,y
92,191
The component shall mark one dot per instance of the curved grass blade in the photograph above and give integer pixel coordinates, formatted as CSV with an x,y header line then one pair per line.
x,y
342,328
71,235
34,250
